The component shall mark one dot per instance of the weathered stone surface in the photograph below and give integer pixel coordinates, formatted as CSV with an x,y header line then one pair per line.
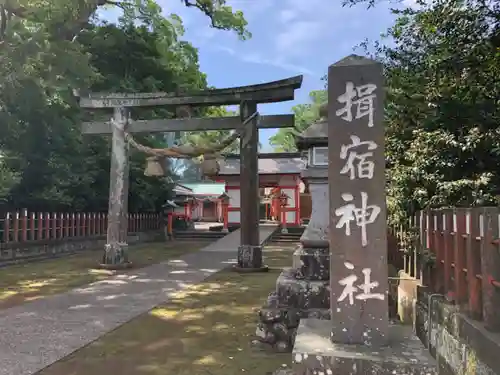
x,y
312,263
278,324
461,345
316,233
315,354
356,175
301,294
249,256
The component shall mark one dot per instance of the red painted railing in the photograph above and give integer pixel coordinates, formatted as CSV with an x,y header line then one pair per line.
x,y
25,226
465,244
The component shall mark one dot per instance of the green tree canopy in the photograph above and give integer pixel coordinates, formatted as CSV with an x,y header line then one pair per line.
x,y
50,49
305,115
442,113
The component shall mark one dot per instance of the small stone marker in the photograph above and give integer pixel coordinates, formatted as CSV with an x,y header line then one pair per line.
x,y
358,238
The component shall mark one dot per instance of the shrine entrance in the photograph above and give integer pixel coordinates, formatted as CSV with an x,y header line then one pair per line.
x,y
279,173
247,125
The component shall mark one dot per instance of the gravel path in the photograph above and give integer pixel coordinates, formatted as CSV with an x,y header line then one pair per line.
x,y
39,333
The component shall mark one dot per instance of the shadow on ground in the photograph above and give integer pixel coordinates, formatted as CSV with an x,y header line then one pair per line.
x,y
27,282
205,329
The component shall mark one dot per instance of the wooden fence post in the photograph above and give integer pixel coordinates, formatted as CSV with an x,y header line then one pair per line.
x,y
39,231
473,230
447,225
47,225
32,226
60,233
24,225
437,223
67,226
6,227
84,224
54,226
15,229
459,248
490,264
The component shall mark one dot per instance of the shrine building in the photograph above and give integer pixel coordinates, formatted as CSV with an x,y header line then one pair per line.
x,y
278,173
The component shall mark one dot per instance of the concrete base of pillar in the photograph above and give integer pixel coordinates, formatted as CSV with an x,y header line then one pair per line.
x,y
314,353
225,230
250,259
115,256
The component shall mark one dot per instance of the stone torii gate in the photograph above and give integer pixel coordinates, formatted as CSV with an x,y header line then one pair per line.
x,y
247,97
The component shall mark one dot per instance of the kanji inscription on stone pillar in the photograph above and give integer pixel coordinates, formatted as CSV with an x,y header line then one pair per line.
x,y
356,176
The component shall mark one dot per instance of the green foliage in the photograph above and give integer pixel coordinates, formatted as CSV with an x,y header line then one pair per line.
x,y
49,48
305,114
442,113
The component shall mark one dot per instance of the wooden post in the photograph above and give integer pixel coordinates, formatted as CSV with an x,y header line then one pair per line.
x,y
473,247
54,226
39,232
47,226
449,287
6,228
249,251
460,266
115,250
490,265
32,227
15,228
358,229
24,225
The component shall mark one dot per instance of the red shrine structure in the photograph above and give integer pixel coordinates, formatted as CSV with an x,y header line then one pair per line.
x,y
279,175
283,196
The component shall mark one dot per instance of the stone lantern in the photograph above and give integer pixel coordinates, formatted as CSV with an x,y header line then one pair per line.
x,y
302,291
311,260
224,199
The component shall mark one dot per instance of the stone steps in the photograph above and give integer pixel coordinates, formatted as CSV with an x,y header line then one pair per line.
x,y
293,235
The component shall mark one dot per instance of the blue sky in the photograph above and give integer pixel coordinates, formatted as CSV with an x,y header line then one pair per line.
x,y
289,37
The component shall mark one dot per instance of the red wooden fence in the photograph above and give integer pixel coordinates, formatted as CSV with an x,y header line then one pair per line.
x,y
25,226
466,245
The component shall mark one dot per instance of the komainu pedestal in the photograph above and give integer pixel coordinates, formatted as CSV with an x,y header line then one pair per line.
x,y
302,291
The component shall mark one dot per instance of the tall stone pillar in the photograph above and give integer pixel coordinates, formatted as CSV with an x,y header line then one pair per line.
x,y
249,251
358,339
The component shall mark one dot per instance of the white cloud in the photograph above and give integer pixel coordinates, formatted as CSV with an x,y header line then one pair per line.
x,y
257,58
294,38
302,23
287,15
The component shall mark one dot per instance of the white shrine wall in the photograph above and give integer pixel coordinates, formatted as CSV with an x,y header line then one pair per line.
x,y
290,184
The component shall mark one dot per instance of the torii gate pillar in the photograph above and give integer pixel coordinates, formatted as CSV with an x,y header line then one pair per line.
x,y
249,251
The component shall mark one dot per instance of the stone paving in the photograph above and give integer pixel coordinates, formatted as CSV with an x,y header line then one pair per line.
x,y
39,333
